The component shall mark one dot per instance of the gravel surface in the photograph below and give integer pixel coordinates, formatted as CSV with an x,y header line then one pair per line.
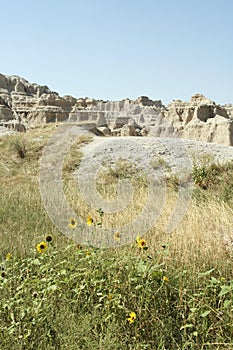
x,y
171,154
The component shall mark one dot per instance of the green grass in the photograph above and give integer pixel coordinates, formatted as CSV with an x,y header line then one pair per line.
x,y
80,297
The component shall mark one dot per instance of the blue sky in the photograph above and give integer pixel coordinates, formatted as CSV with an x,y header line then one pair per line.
x,y
112,49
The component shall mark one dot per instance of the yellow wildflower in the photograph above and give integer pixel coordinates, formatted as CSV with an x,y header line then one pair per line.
x,y
89,220
41,247
88,253
132,317
141,242
165,278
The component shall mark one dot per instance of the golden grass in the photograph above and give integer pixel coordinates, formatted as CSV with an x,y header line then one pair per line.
x,y
198,238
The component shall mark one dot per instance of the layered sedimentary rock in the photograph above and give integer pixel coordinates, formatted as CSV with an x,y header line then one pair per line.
x,y
201,119
24,105
116,113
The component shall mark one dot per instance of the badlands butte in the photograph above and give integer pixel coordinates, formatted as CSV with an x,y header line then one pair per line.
x,y
25,105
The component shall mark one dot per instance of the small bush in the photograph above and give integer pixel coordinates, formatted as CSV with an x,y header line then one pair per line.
x,y
120,169
213,176
20,146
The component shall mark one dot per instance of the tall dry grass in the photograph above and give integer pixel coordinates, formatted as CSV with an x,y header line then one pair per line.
x,y
95,290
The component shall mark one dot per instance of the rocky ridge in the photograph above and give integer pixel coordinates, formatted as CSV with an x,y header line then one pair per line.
x,y
24,105
201,119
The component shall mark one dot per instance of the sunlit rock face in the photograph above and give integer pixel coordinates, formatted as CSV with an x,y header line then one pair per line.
x,y
201,119
24,105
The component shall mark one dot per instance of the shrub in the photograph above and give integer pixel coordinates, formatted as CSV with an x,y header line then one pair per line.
x,y
20,146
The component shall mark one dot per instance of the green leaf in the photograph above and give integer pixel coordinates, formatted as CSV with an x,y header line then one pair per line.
x,y
12,329
36,262
225,290
76,290
141,267
193,309
206,313
138,287
52,288
166,252
226,303
108,318
207,273
214,280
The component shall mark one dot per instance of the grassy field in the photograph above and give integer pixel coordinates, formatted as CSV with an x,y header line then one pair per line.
x,y
163,291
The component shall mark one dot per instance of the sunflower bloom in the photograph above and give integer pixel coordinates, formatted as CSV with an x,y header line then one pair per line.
x,y
73,223
41,247
89,221
132,317
141,243
48,238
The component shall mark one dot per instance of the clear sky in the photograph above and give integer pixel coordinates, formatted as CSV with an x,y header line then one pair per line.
x,y
113,49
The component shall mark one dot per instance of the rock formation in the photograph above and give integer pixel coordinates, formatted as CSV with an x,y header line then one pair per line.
x,y
24,105
201,119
